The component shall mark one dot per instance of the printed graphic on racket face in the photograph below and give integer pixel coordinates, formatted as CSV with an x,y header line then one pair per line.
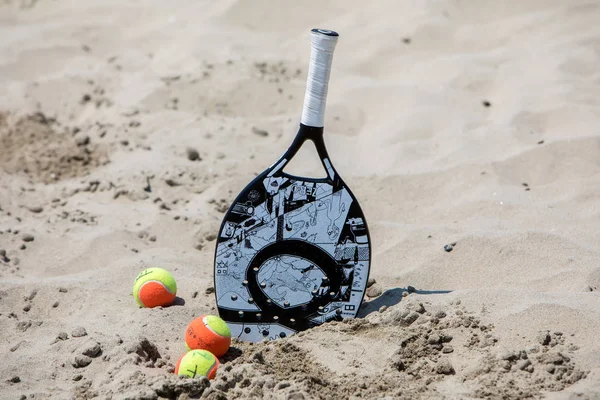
x,y
293,252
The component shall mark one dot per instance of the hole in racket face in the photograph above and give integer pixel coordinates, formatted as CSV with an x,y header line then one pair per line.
x,y
301,276
306,163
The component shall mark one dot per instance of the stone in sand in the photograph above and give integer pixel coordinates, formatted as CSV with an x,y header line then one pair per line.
x,y
374,291
81,361
82,140
434,338
444,367
28,237
79,332
91,349
192,154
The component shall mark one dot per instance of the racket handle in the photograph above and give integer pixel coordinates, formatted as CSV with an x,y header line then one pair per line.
x,y
321,55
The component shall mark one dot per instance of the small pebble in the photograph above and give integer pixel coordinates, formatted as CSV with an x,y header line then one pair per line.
x,y
23,247
448,247
444,367
81,361
374,291
194,295
411,289
77,377
447,349
209,290
35,209
383,308
210,237
55,304
62,336
486,103
79,332
83,140
371,282
62,290
440,314
522,365
27,237
260,132
447,338
529,368
434,338
152,238
192,154
27,307
93,350
15,379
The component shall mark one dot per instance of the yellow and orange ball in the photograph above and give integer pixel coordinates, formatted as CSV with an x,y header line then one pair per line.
x,y
197,363
154,287
208,332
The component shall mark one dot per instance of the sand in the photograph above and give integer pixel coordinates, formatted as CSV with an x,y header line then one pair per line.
x,y
127,128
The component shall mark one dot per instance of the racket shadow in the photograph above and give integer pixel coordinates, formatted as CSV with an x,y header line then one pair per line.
x,y
389,298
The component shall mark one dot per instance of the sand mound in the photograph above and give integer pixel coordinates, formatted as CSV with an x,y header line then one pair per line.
x,y
425,347
43,150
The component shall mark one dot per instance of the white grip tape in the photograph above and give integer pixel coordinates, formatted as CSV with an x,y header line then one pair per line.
x,y
321,56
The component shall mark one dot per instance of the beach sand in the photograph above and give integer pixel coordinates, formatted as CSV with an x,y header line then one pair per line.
x,y
473,123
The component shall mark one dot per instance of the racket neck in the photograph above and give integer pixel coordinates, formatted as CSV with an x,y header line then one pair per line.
x,y
315,134
308,133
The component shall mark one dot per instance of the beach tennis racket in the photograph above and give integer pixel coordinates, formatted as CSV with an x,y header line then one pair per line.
x,y
294,252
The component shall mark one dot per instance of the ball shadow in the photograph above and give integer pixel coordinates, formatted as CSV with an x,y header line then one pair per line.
x,y
178,301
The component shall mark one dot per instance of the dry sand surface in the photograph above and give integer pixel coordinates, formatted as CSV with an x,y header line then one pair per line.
x,y
127,128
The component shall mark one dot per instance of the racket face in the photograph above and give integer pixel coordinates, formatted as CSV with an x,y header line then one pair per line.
x,y
292,252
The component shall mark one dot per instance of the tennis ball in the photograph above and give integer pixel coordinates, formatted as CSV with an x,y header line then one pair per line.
x,y
154,287
197,363
208,332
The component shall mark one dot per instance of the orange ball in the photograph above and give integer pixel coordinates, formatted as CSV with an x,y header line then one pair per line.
x,y
208,332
